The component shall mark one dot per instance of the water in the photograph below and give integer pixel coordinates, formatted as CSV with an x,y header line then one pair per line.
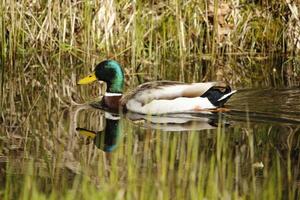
x,y
268,105
262,121
251,149
259,109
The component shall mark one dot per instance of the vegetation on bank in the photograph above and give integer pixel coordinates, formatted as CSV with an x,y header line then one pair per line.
x,y
46,45
148,35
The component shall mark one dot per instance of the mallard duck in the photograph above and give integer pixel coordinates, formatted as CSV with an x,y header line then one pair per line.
x,y
158,97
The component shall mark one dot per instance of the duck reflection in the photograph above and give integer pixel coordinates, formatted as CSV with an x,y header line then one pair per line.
x,y
176,122
107,139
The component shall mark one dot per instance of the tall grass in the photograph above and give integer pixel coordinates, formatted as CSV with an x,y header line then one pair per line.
x,y
42,156
46,45
150,34
216,164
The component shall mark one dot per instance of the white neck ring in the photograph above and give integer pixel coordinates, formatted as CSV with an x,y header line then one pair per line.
x,y
110,94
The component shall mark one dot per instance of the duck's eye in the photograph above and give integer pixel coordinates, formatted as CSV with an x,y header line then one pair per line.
x,y
90,75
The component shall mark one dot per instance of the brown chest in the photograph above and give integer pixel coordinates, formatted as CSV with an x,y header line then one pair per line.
x,y
112,102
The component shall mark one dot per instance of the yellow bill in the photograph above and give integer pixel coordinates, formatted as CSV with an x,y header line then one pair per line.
x,y
86,133
88,79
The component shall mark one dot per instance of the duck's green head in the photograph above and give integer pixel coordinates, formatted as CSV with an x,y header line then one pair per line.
x,y
108,71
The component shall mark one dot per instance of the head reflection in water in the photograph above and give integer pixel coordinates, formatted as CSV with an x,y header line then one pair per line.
x,y
108,139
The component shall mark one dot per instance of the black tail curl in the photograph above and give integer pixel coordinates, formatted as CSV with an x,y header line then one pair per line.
x,y
215,93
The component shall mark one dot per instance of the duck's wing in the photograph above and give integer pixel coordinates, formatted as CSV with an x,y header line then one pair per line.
x,y
168,90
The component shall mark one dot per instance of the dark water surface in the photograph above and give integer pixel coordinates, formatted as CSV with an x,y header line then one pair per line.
x,y
256,109
261,129
251,150
280,106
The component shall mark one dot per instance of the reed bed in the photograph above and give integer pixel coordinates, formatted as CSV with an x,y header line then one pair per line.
x,y
47,45
232,163
148,35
